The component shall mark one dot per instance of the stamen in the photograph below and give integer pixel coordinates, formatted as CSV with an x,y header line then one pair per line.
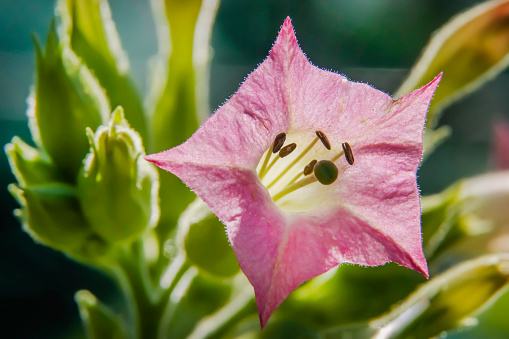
x,y
307,171
323,138
293,162
279,141
309,167
290,188
348,153
287,150
282,153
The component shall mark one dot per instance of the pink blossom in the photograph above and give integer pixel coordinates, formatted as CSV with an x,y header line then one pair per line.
x,y
283,235
501,145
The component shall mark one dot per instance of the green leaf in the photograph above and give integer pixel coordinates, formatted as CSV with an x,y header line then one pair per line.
x,y
349,294
89,29
471,49
445,302
178,98
99,321
117,188
66,101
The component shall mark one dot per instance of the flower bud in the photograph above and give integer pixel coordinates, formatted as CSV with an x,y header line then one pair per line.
x,y
98,319
117,188
67,99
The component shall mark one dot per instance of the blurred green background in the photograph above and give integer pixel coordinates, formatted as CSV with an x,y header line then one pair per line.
x,y
372,41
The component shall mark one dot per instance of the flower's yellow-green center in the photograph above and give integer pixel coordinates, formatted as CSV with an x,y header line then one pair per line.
x,y
284,169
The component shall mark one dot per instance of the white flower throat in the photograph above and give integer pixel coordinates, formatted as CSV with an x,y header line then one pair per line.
x,y
284,170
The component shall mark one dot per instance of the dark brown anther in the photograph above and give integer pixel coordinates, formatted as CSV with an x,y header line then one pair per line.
x,y
278,142
287,150
323,138
348,153
310,167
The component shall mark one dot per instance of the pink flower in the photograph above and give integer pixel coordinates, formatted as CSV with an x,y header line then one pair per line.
x,y
501,145
286,227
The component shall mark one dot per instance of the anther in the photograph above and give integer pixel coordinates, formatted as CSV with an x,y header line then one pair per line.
x,y
310,167
287,150
323,138
278,142
348,153
326,172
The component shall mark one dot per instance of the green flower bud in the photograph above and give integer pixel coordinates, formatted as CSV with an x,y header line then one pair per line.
x,y
51,214
67,99
117,188
29,165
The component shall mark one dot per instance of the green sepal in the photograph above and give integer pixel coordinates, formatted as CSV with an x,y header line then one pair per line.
x,y
117,187
67,99
89,29
203,238
29,165
207,247
98,319
52,215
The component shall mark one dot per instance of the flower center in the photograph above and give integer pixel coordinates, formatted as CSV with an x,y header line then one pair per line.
x,y
287,170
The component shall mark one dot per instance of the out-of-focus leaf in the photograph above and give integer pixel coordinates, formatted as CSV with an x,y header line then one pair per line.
x,y
472,48
350,294
117,188
88,28
201,297
178,98
68,99
444,221
28,164
488,198
99,321
446,301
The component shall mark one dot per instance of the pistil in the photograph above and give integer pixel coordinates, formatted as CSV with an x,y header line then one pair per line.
x,y
324,171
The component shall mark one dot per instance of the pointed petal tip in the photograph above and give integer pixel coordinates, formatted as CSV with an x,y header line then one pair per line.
x,y
150,157
154,158
288,22
287,29
420,265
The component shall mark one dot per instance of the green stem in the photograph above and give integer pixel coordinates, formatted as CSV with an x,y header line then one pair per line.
x,y
146,302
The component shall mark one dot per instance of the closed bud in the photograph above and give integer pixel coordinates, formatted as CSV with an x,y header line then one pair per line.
x,y
67,99
117,188
98,319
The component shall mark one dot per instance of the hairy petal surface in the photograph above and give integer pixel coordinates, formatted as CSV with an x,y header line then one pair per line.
x,y
369,216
